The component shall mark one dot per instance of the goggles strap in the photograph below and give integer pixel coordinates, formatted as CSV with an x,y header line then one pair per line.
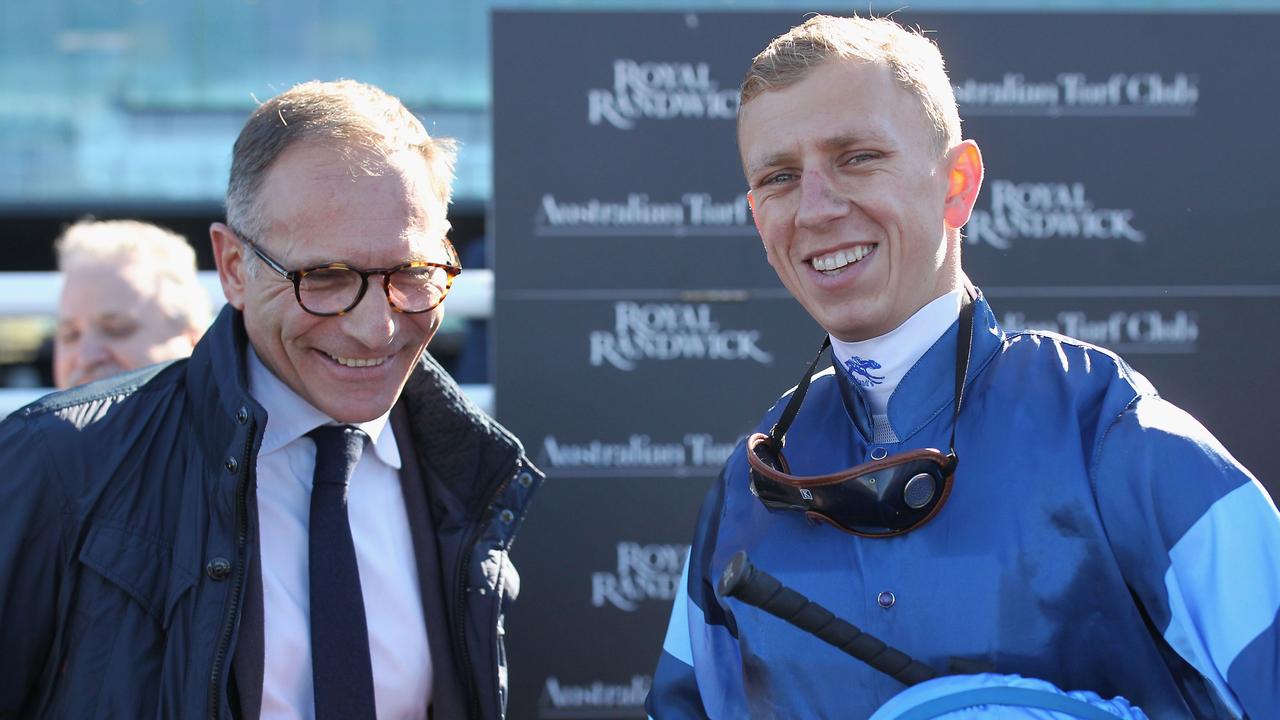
x,y
964,347
779,431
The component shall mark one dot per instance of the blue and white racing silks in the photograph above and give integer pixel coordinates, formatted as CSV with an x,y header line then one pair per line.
x,y
1096,537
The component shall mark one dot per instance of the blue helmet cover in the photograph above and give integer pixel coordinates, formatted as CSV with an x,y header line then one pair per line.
x,y
1008,697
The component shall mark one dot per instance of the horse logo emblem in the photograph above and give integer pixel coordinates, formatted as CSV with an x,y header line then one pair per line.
x,y
860,371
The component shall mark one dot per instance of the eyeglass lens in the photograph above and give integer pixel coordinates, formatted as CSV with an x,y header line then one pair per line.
x,y
412,289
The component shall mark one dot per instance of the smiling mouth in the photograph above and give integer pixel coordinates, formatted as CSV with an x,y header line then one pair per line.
x,y
833,262
356,362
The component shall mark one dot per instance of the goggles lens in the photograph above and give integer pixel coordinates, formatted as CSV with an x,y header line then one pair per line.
x,y
877,499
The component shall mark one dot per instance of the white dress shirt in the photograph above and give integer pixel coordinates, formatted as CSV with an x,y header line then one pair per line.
x,y
384,552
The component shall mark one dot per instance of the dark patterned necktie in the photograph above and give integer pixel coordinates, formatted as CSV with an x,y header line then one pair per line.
x,y
341,668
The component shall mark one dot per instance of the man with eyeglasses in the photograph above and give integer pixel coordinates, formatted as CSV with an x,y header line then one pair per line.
x,y
1014,504
307,518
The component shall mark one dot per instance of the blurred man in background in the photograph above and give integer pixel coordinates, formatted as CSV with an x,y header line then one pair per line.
x,y
130,298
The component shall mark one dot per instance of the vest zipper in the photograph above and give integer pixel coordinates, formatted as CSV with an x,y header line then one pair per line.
x,y
237,586
461,604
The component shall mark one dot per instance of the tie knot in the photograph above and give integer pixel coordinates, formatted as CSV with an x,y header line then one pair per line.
x,y
338,449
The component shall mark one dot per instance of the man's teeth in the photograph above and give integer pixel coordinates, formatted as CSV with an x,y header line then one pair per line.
x,y
357,362
840,258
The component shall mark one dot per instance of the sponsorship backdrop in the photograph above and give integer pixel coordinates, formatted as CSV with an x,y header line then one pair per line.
x,y
640,334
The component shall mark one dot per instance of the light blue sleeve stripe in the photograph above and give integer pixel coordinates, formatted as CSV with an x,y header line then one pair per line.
x,y
677,642
1224,584
718,671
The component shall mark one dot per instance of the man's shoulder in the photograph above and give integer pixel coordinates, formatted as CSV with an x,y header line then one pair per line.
x,y
96,397
1032,340
74,442
111,389
1134,423
1071,359
77,424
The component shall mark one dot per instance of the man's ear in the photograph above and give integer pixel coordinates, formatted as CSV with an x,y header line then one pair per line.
x,y
964,179
228,254
751,203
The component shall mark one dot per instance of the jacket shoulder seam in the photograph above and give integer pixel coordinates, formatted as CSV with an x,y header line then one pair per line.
x,y
1096,460
128,385
1125,370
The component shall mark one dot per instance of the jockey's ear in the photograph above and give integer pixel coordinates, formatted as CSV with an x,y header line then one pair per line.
x,y
964,173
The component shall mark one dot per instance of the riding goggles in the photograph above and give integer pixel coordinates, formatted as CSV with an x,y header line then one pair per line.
x,y
881,498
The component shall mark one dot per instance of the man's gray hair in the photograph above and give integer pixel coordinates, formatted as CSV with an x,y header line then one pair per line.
x,y
158,253
359,120
913,59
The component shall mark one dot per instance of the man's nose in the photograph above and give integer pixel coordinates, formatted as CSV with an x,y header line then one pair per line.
x,y
93,350
92,359
820,200
372,321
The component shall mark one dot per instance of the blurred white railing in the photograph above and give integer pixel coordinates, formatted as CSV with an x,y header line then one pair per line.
x,y
36,293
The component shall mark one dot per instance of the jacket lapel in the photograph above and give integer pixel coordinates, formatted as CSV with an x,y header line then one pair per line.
x,y
447,695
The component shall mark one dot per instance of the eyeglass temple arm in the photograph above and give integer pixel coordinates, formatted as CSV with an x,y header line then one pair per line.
x,y
744,581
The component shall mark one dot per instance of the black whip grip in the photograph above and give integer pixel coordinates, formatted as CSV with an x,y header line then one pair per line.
x,y
753,586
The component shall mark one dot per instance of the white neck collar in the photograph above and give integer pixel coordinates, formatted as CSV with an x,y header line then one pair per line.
x,y
879,364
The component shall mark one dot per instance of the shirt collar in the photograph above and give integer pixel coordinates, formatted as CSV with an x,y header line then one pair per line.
x,y
878,365
928,388
290,417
